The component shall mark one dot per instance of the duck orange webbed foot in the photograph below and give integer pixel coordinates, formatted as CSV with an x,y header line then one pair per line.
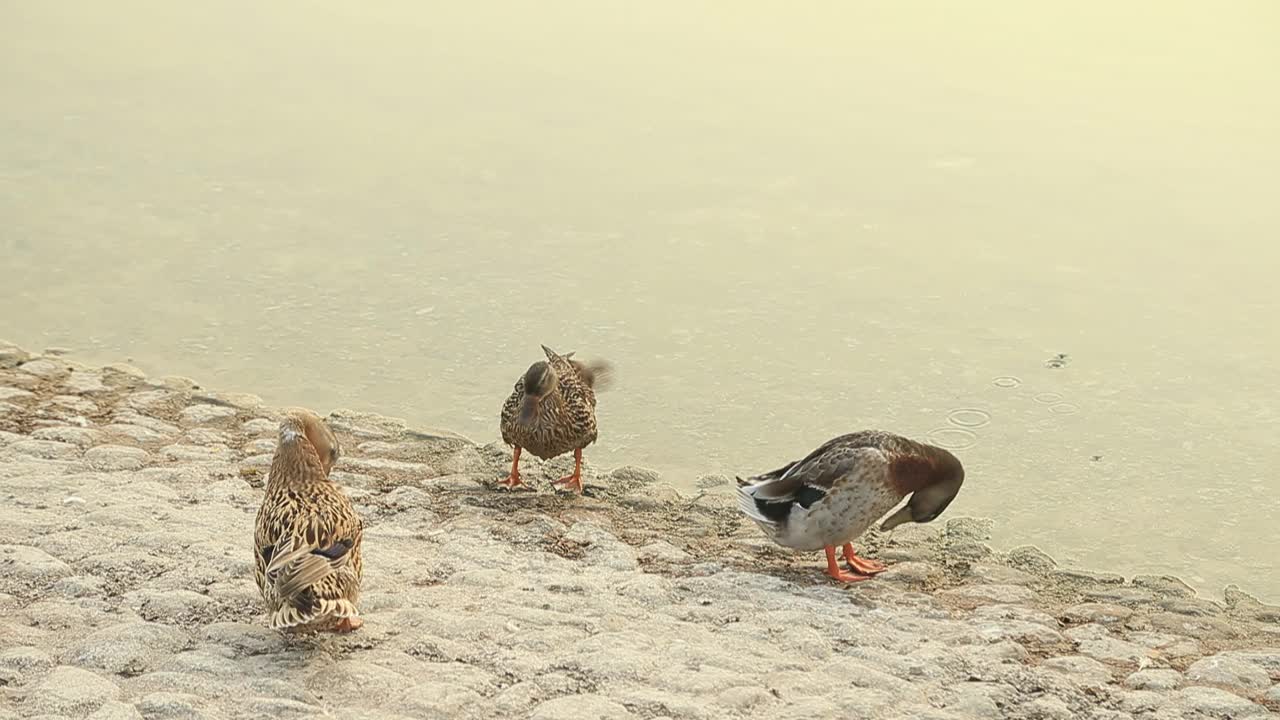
x,y
348,624
833,569
862,565
514,478
574,481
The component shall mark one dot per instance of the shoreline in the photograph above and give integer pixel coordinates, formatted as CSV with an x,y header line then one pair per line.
x,y
116,481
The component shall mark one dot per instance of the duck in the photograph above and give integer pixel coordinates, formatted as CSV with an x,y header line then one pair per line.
x,y
307,540
552,411
831,496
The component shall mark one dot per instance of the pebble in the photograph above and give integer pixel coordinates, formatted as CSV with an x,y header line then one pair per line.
x,y
85,383
1223,669
71,691
991,593
581,707
43,367
204,414
1154,679
46,449
1084,670
116,457
1096,642
1216,702
1100,613
12,393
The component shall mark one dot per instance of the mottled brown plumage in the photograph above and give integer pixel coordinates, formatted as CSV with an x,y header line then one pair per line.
x,y
307,558
552,411
837,491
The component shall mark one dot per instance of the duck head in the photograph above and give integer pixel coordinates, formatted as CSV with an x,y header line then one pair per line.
x,y
299,424
540,380
928,502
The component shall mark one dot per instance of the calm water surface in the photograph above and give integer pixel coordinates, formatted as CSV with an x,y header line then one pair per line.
x,y
780,223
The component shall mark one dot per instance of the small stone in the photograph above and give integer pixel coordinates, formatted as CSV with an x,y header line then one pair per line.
x,y
85,383
43,367
1273,695
629,478
80,437
1215,702
1048,708
1119,595
1154,679
1031,559
1097,643
46,449
137,433
1100,613
663,551
116,457
202,414
1223,669
71,691
1084,670
29,565
129,647
1086,577
11,393
580,707
261,426
999,574
165,705
1166,585
12,356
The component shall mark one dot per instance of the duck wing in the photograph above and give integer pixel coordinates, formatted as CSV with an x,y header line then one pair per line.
x,y
769,497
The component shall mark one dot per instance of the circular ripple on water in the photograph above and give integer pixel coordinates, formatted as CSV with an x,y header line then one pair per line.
x,y
1006,381
1049,398
969,417
1064,408
952,438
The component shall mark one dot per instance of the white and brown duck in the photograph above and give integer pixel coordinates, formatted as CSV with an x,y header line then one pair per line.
x,y
837,491
552,411
307,558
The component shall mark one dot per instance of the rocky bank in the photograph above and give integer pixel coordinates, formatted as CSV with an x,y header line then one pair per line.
x,y
126,520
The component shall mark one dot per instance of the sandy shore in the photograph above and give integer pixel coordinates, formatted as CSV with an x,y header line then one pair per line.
x,y
127,591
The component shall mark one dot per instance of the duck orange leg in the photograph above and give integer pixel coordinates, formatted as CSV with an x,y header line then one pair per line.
x,y
514,478
861,565
574,481
833,568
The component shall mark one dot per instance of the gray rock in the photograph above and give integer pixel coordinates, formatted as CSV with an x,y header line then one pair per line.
x,y
1100,613
12,356
1048,708
130,647
46,449
43,367
262,426
204,414
116,457
85,383
1217,703
137,433
12,393
80,437
1225,669
1084,670
29,566
170,705
1154,679
71,691
1273,695
1096,642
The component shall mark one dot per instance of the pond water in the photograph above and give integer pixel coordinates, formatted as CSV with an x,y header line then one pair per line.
x,y
1044,237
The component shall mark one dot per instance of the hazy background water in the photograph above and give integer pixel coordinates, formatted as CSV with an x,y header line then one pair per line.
x,y
780,221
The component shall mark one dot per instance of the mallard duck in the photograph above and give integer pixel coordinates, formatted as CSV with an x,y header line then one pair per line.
x,y
837,491
552,411
307,542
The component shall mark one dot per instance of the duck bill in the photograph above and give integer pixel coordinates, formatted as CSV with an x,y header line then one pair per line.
x,y
902,516
528,409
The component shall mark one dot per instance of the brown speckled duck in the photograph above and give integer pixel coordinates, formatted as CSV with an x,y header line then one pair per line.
x,y
553,411
307,542
837,491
